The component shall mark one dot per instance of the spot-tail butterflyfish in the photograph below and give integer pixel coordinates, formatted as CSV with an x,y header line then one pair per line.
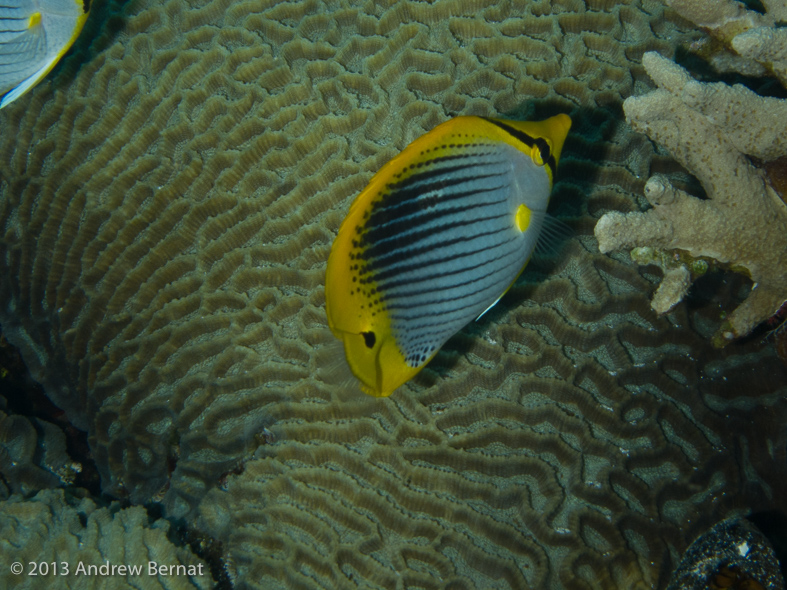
x,y
438,236
34,35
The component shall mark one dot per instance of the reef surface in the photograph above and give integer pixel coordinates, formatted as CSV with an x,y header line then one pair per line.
x,y
168,198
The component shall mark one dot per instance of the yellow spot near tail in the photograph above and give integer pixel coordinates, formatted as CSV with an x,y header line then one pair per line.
x,y
35,19
523,218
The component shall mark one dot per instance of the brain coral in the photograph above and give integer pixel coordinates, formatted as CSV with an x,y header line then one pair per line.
x,y
32,456
167,202
58,533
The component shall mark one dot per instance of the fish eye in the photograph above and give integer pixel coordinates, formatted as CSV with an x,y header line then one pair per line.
x,y
369,339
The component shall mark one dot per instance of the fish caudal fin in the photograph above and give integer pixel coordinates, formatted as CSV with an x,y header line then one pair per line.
x,y
33,40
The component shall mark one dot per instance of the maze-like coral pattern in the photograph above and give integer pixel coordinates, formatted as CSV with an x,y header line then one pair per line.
x,y
62,541
574,441
169,197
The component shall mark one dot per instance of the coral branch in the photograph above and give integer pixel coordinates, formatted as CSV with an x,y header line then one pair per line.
x,y
758,44
710,129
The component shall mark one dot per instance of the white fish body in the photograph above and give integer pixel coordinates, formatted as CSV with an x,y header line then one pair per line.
x,y
34,35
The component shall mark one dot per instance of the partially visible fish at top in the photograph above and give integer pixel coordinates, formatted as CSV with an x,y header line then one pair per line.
x,y
438,236
34,35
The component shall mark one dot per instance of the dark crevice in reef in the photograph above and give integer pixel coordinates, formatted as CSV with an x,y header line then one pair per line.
x,y
773,524
202,545
25,397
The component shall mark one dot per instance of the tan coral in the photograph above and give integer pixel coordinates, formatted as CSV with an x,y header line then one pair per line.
x,y
185,190
710,129
32,456
167,205
758,42
64,537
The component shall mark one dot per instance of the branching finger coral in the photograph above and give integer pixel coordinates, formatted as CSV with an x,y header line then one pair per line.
x,y
757,42
710,129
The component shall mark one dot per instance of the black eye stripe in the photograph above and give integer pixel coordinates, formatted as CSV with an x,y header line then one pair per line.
x,y
540,142
543,147
369,339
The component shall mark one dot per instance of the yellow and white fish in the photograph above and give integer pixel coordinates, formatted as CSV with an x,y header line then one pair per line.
x,y
441,232
34,35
